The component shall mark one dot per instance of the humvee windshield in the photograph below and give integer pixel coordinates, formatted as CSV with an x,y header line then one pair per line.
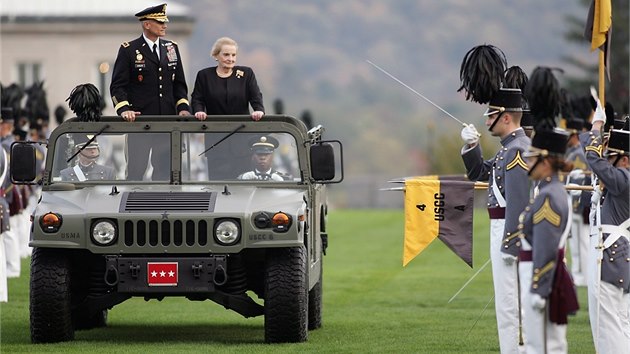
x,y
205,157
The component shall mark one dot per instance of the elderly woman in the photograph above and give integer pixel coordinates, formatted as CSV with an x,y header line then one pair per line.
x,y
226,88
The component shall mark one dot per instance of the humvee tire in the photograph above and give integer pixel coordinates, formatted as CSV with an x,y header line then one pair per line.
x,y
286,296
315,303
50,302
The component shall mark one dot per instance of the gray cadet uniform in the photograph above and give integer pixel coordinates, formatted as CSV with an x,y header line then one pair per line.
x,y
508,193
581,200
609,286
544,222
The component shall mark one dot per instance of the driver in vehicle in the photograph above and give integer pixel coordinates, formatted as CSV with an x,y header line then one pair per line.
x,y
262,160
86,167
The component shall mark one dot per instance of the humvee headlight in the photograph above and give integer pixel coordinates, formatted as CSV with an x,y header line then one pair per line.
x,y
50,222
227,232
281,222
104,232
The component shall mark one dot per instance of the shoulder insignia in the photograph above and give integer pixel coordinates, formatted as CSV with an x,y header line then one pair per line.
x,y
547,213
125,44
596,149
518,161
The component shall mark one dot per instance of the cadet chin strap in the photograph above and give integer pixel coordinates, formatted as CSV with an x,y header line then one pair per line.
x,y
539,159
495,121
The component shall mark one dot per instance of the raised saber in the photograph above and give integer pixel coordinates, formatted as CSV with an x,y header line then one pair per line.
x,y
414,91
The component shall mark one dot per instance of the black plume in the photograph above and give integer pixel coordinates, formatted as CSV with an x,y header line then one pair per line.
x,y
566,108
515,77
85,102
543,94
481,72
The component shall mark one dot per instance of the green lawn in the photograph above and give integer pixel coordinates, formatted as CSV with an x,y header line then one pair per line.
x,y
371,305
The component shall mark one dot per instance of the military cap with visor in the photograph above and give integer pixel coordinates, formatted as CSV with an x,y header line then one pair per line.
x,y
265,145
156,13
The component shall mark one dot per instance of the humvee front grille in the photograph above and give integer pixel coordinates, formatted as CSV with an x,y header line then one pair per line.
x,y
165,233
151,202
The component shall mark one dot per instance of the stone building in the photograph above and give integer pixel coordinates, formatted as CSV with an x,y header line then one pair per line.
x,y
70,42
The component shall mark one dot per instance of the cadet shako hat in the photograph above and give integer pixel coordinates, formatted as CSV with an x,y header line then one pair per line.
x,y
7,115
548,143
505,100
527,121
264,145
575,126
618,143
157,13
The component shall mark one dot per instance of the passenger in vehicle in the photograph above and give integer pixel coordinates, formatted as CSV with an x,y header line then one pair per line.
x,y
86,167
262,161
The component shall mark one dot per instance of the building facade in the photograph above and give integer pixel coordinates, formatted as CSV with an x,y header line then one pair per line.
x,y
69,42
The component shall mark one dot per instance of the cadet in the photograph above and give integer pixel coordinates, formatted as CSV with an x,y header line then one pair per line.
x,y
578,239
544,228
609,250
262,159
482,74
148,78
86,167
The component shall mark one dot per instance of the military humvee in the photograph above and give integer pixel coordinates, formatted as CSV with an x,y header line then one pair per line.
x,y
199,230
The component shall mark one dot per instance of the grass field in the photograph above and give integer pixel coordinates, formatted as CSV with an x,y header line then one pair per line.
x,y
371,305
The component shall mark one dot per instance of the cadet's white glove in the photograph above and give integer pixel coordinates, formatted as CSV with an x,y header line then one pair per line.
x,y
574,192
599,115
538,302
470,135
508,259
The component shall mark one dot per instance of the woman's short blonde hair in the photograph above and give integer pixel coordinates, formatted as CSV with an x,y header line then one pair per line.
x,y
216,47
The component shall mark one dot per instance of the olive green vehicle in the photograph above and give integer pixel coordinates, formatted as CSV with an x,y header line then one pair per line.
x,y
199,230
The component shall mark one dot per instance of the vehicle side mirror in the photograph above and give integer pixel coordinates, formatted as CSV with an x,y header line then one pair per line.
x,y
323,162
23,163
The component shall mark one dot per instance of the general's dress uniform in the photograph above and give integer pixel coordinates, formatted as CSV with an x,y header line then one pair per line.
x,y
508,193
141,82
543,230
609,249
579,237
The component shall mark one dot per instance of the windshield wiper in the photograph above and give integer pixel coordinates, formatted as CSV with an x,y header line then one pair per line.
x,y
88,143
225,137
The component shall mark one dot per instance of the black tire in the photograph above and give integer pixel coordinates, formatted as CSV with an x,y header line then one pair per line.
x,y
286,296
315,302
50,299
96,321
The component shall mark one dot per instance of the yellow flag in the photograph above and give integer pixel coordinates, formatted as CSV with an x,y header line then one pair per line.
x,y
602,20
438,208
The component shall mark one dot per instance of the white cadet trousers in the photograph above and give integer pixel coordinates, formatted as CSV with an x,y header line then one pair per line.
x,y
578,246
4,289
543,336
25,233
506,304
12,247
608,309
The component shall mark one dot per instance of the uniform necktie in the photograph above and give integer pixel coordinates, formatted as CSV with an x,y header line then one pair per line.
x,y
155,52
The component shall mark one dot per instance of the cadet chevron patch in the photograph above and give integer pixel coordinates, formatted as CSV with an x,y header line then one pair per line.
x,y
518,161
597,149
546,213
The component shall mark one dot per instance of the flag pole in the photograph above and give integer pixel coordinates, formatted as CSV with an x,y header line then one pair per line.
x,y
602,75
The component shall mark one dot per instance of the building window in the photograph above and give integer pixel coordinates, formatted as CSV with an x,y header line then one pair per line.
x,y
29,73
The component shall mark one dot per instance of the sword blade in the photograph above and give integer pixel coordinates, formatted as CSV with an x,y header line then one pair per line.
x,y
414,91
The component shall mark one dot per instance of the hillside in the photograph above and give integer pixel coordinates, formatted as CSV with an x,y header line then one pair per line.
x,y
313,56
